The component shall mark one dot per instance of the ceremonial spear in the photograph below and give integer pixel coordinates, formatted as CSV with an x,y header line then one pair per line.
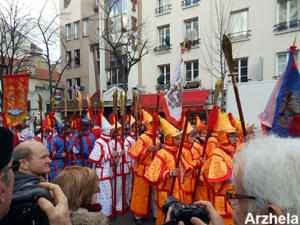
x,y
211,122
227,49
52,114
73,119
80,125
180,148
115,101
140,111
155,118
122,113
65,133
135,113
41,116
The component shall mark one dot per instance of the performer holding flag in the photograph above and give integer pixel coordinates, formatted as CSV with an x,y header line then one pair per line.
x,y
172,101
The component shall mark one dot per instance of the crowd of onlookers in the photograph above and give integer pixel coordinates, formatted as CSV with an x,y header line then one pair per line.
x,y
267,179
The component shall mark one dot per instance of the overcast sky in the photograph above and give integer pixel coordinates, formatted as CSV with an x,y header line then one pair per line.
x,y
52,9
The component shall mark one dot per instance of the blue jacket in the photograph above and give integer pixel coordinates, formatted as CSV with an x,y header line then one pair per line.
x,y
88,140
56,148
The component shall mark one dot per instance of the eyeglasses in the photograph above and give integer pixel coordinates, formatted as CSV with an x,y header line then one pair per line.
x,y
14,166
232,197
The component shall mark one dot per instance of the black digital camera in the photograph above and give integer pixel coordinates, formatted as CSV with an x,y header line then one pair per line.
x,y
24,208
183,212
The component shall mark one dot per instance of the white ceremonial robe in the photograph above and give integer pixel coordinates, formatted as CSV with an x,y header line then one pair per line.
x,y
119,206
129,142
101,156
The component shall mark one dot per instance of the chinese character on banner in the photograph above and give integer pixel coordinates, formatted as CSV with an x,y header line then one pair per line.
x,y
15,97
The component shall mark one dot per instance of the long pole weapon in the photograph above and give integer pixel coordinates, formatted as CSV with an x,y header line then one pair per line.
x,y
180,148
211,122
156,118
80,125
65,133
140,111
135,113
95,111
41,116
122,113
227,49
52,106
102,105
115,101
74,114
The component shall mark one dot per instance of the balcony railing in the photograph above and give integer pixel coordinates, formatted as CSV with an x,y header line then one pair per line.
x,y
286,25
163,9
162,48
240,35
187,3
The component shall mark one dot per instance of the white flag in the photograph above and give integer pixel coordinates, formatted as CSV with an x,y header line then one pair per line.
x,y
172,101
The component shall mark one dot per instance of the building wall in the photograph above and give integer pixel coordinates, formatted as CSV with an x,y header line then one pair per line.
x,y
77,11
133,77
38,86
260,48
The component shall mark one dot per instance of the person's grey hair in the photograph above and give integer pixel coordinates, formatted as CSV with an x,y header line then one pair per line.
x,y
21,152
7,175
271,172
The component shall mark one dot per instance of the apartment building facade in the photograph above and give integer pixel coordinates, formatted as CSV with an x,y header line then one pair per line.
x,y
120,31
261,33
79,48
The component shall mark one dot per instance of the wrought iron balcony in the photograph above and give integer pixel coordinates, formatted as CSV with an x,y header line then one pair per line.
x,y
187,3
163,9
162,48
240,35
286,25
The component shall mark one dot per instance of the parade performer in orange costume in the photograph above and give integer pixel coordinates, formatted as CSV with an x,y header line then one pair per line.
x,y
217,168
202,193
188,166
141,152
162,169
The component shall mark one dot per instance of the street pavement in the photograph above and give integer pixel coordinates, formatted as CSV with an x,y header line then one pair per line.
x,y
126,219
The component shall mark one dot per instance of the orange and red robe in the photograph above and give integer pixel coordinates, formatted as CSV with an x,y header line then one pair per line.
x,y
140,198
188,172
158,174
218,177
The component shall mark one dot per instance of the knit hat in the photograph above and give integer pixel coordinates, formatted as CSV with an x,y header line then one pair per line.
x,y
7,145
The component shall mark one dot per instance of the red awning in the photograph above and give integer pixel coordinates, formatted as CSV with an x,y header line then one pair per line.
x,y
193,100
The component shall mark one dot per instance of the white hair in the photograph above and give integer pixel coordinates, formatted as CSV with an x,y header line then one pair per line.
x,y
271,172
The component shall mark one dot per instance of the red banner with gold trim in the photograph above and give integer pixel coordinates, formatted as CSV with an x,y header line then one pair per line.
x,y
15,97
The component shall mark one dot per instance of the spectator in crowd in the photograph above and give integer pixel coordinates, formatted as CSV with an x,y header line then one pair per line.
x,y
57,214
80,185
6,174
266,184
33,159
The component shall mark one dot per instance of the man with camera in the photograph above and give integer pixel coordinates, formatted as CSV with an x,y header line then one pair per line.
x,y
266,185
57,214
